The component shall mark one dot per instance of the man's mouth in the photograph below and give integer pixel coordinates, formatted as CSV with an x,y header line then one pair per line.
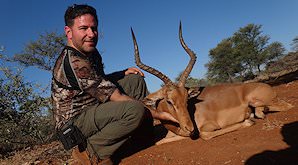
x,y
90,43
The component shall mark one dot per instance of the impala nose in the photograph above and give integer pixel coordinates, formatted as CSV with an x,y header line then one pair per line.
x,y
194,134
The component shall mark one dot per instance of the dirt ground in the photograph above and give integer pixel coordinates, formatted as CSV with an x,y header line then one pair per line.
x,y
273,140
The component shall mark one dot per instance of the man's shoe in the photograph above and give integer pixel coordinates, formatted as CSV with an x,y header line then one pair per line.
x,y
95,161
107,161
83,158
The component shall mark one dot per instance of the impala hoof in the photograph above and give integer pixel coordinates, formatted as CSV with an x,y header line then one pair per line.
x,y
248,123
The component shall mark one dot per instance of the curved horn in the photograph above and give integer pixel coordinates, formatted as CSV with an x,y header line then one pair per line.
x,y
146,68
191,63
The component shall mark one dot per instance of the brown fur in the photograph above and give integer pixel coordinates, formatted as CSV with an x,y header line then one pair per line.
x,y
228,107
172,99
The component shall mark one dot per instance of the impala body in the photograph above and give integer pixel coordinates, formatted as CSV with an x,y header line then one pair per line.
x,y
227,107
224,108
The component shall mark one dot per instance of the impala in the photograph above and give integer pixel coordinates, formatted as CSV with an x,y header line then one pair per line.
x,y
214,110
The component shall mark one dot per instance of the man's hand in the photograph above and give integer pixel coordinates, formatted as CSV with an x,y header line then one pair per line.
x,y
133,70
162,115
118,96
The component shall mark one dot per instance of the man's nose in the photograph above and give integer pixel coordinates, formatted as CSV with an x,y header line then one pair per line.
x,y
91,33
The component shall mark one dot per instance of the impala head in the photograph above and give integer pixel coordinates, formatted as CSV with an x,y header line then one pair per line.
x,y
172,97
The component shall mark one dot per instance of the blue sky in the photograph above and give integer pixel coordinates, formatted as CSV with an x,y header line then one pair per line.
x,y
155,23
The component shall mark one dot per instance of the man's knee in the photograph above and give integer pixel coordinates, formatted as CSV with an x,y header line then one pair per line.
x,y
135,86
135,112
136,78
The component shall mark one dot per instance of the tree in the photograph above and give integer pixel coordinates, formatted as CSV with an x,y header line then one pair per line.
x,y
295,44
1,48
250,44
288,62
224,63
273,52
191,81
43,52
242,56
23,118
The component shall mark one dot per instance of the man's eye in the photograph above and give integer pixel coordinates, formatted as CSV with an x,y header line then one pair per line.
x,y
94,29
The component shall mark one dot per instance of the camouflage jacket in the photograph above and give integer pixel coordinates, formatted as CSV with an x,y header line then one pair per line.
x,y
78,82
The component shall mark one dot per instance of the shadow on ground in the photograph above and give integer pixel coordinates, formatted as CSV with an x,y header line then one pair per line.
x,y
288,156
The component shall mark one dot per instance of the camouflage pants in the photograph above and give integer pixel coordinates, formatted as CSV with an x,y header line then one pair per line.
x,y
107,126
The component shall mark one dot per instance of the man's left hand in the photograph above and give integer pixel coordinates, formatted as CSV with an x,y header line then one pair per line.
x,y
133,70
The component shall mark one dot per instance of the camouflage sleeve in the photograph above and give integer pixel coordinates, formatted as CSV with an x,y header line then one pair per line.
x,y
89,80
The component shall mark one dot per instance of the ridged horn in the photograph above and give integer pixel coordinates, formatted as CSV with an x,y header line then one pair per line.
x,y
146,68
191,62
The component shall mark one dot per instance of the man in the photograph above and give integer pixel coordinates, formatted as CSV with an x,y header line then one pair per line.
x,y
103,107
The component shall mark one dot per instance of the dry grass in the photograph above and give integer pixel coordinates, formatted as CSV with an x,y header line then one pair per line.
x,y
52,153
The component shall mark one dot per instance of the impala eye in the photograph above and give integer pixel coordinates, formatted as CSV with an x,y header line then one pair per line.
x,y
169,102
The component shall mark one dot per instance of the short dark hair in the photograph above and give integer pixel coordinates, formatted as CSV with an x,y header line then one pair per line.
x,y
77,10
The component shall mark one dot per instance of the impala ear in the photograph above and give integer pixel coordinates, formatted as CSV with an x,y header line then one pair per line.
x,y
193,92
152,99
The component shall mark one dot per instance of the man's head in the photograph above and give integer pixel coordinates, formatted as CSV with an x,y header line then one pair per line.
x,y
81,28
77,10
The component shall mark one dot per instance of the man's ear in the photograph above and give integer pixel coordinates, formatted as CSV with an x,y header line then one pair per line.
x,y
68,32
193,92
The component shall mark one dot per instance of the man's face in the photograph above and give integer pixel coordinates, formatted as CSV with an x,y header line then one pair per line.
x,y
83,35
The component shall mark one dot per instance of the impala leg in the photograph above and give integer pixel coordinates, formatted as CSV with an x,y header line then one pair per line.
x,y
259,112
208,135
209,127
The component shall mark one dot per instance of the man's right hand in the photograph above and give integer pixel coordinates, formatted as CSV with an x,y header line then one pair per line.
x,y
162,116
118,96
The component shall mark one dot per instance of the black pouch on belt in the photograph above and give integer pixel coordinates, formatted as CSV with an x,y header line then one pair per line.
x,y
70,136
